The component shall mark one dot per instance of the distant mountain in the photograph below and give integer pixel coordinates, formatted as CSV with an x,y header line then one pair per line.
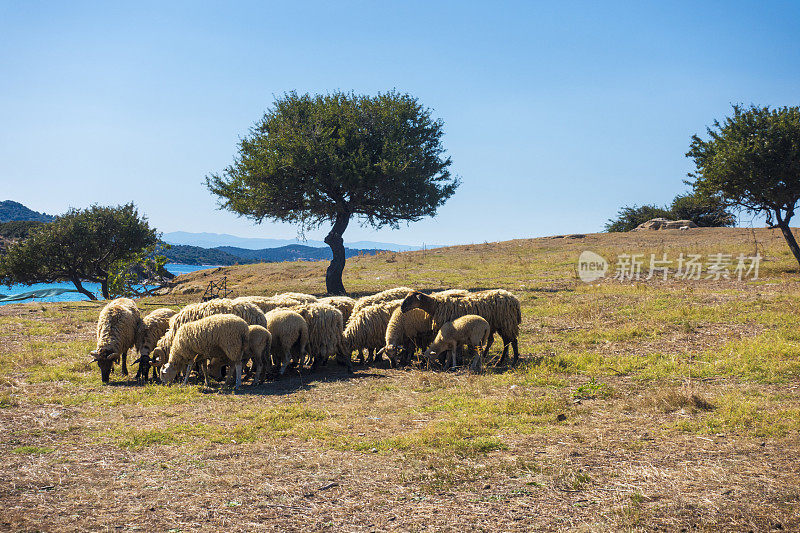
x,y
11,210
230,255
214,240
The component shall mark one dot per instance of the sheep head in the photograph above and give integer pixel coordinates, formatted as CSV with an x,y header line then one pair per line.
x,y
412,301
168,373
105,359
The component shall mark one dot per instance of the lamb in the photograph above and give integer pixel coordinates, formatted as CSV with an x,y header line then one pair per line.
x,y
199,339
152,328
116,334
268,303
388,295
289,332
300,296
366,329
245,310
499,307
344,304
471,330
405,332
325,329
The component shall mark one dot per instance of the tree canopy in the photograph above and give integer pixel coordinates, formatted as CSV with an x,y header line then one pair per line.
x,y
751,160
92,244
314,160
703,211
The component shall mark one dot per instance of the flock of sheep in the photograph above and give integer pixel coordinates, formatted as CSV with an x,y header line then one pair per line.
x,y
260,335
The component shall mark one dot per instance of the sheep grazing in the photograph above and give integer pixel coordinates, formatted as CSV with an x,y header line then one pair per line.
x,y
388,295
470,330
366,330
405,333
249,312
268,303
152,328
116,334
299,296
258,348
499,307
289,332
201,339
344,304
325,329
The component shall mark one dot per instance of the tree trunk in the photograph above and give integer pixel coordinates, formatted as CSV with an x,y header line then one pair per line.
x,y
333,276
81,289
790,240
104,288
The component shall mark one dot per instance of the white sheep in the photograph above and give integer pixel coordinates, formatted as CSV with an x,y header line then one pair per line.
x,y
201,340
344,304
499,307
299,296
366,330
116,334
398,293
325,329
406,332
268,303
470,330
289,332
152,328
245,310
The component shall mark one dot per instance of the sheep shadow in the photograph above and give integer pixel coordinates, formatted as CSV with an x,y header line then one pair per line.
x,y
294,381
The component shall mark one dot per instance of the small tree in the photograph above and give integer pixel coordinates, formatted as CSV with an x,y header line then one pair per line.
x,y
752,161
322,159
705,211
630,217
81,245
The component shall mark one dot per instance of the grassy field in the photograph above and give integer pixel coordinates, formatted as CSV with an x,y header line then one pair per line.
x,y
638,405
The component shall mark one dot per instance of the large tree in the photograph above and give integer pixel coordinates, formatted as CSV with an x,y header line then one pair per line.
x,y
752,161
81,245
326,159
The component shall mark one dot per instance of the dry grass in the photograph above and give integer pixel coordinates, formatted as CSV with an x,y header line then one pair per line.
x,y
638,406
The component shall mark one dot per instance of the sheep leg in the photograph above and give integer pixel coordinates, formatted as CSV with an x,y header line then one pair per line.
x,y
204,368
361,360
516,351
506,346
476,365
188,371
454,351
124,363
238,367
286,359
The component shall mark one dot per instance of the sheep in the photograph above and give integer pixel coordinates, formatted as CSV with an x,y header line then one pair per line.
x,y
388,295
344,304
366,329
200,339
325,329
406,332
470,330
152,328
499,307
268,303
299,296
289,332
245,310
116,334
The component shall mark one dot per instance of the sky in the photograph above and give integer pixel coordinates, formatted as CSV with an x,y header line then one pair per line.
x,y
556,113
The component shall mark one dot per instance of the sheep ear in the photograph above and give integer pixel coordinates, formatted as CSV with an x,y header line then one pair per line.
x,y
94,355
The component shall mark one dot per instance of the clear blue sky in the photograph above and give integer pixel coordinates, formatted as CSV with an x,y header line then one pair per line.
x,y
556,113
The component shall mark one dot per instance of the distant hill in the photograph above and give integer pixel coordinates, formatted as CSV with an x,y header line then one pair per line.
x,y
11,210
216,240
231,255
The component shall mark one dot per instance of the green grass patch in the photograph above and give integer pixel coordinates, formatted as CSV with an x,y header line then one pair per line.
x,y
32,450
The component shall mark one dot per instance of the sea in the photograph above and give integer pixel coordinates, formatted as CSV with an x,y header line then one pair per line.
x,y
174,268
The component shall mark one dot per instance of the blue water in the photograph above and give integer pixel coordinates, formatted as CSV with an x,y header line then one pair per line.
x,y
91,287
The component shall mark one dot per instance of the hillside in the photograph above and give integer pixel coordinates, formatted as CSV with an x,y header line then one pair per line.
x,y
644,405
11,210
230,255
